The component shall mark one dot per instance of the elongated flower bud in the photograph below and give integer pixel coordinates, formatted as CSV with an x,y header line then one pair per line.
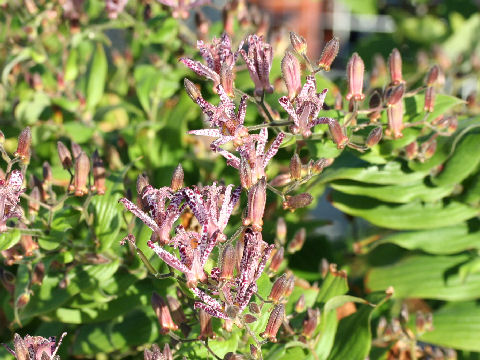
x,y
374,137
246,176
394,94
329,53
355,71
249,318
192,90
429,99
299,44
411,150
226,79
76,150
257,197
318,166
338,102
432,75
300,304
176,310
274,322
206,330
472,100
295,167
395,67
24,143
34,201
277,259
290,286
281,180
239,247
281,230
177,178
337,133
142,181
80,179
163,314
254,308
227,264
395,120
98,174
64,155
38,273
278,289
291,74
310,323
297,242
429,148
47,173
297,201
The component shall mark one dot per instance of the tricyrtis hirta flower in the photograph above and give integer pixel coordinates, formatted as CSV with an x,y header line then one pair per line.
x,y
220,62
259,62
10,191
114,7
35,347
305,108
182,7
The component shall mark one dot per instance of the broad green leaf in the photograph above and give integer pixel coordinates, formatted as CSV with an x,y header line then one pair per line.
x,y
456,325
440,241
9,239
471,193
71,65
427,277
80,133
28,111
394,193
333,285
413,216
464,38
97,77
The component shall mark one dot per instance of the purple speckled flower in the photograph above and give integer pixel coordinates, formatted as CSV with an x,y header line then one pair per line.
x,y
35,347
259,62
10,191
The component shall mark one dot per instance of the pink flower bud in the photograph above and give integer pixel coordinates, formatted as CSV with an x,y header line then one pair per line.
x,y
395,67
355,71
227,263
394,93
278,289
80,179
297,201
253,351
38,273
277,259
206,330
176,310
310,323
432,75
299,43
280,180
297,242
76,150
337,133
281,230
290,286
318,166
395,120
24,143
429,99
163,314
300,304
246,176
429,148
411,150
47,173
64,155
374,137
329,54
295,167
192,90
254,308
291,74
257,196
227,78
472,100
98,171
274,322
338,102
177,178
34,203
249,318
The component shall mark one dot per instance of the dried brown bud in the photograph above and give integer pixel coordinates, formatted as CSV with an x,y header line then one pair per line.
x,y
192,90
98,174
176,310
24,143
277,259
274,322
300,304
329,53
297,201
257,197
291,74
206,330
64,155
254,308
310,323
227,263
76,150
297,242
295,167
429,99
80,179
249,318
163,314
395,67
299,43
374,137
355,72
38,273
278,289
177,178
375,101
47,172
394,93
432,75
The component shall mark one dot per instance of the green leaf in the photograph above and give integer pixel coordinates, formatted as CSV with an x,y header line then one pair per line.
x,y
28,111
427,277
440,241
464,39
413,216
332,286
97,77
80,133
9,239
456,325
71,65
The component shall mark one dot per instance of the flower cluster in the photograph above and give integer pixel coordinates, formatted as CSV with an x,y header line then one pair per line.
x,y
35,347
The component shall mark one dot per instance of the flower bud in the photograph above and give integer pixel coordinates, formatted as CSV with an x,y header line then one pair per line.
x,y
34,201
395,120
163,314
429,99
338,136
375,102
27,243
472,100
257,197
274,322
253,351
76,150
227,263
395,67
233,356
299,44
318,166
355,70
404,314
291,74
324,267
167,352
338,102
452,124
38,273
374,137
290,286
154,353
254,308
411,150
24,143
329,53
295,167
297,242
206,330
177,178
64,155
98,174
394,93
246,176
429,322
277,259
278,289
226,79
47,172
280,180
23,300
300,304
142,182
429,148
420,322
310,323
192,90
432,75
176,310
249,318
297,201
80,179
